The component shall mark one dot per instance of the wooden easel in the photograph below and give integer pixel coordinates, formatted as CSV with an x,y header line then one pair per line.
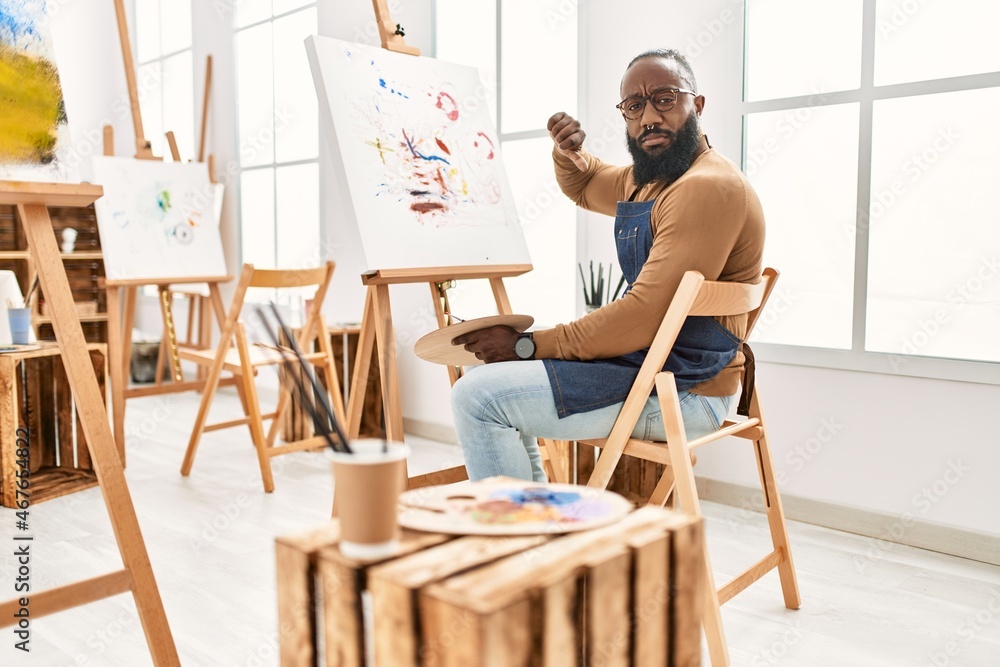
x,y
122,316
376,327
33,200
376,322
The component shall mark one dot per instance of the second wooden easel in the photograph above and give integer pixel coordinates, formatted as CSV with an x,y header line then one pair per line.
x,y
376,329
121,293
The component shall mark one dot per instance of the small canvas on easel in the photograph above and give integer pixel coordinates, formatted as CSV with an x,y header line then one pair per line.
x,y
418,156
34,141
157,220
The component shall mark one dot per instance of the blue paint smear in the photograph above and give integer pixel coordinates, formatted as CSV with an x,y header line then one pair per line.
x,y
537,495
416,153
381,82
17,22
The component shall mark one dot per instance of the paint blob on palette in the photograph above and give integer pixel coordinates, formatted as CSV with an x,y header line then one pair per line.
x,y
510,507
417,156
34,141
158,219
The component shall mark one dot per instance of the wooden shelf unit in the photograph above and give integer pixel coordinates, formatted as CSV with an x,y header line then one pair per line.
x,y
84,266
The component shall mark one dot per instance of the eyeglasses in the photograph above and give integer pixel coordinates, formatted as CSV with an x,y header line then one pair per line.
x,y
663,101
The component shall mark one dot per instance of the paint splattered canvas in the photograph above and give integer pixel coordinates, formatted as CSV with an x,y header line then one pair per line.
x,y
509,507
34,141
417,155
157,219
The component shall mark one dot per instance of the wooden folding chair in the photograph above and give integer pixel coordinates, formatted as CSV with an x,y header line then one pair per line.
x,y
696,296
237,356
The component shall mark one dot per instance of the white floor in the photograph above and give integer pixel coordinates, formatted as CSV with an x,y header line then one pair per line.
x,y
211,541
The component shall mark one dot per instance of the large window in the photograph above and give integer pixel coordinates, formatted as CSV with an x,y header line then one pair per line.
x,y
870,136
165,74
278,133
521,101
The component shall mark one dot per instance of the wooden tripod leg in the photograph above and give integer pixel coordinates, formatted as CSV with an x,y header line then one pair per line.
x,y
362,366
94,419
388,372
116,353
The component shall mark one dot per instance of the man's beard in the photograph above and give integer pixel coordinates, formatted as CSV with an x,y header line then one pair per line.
x,y
669,164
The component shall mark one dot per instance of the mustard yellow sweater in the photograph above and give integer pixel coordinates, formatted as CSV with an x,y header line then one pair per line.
x,y
708,220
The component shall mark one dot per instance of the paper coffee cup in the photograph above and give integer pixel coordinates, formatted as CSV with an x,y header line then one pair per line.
x,y
367,485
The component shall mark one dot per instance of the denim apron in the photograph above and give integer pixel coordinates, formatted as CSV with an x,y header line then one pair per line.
x,y
703,348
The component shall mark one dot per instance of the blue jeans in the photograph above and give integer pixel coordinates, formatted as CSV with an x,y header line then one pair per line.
x,y
501,408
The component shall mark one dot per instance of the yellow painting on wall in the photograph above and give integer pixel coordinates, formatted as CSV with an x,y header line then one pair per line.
x,y
33,137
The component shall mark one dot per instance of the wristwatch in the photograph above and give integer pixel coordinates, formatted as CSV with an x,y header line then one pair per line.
x,y
524,347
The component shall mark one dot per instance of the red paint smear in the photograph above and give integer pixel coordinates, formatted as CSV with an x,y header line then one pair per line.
x,y
453,114
440,179
490,156
426,207
443,147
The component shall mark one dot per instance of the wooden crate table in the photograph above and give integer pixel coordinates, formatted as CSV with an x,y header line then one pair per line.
x,y
625,594
35,394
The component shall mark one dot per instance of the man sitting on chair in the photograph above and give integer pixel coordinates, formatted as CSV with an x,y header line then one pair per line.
x,y
680,206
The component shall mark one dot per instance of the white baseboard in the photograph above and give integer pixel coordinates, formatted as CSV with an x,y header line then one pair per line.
x,y
431,430
880,526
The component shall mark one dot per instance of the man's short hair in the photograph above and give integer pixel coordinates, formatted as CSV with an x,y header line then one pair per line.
x,y
670,54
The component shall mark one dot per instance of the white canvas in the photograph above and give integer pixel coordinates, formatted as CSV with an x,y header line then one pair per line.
x,y
157,220
418,156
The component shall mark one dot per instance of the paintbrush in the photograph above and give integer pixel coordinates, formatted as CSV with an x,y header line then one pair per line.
x,y
318,391
619,288
31,292
290,371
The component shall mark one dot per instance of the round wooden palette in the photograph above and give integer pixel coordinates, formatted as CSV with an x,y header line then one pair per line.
x,y
509,507
436,346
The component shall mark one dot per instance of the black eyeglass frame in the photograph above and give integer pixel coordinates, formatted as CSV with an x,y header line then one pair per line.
x,y
649,99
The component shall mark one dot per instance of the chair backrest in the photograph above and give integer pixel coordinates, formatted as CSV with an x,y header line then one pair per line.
x,y
282,279
696,296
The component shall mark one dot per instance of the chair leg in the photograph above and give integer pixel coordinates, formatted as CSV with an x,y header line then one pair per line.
x,y
663,488
253,405
687,501
208,393
775,514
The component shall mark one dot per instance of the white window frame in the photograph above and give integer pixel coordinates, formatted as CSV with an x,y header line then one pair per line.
x,y
160,59
274,165
857,358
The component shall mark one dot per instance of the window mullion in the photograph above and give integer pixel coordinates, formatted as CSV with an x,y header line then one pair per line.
x,y
862,220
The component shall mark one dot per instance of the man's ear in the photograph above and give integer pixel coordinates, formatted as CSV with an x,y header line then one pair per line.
x,y
699,104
